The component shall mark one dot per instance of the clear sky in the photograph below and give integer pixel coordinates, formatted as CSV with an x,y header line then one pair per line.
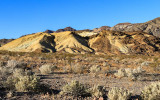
x,y
20,17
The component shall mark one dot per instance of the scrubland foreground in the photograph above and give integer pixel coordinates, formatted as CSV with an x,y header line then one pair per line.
x,y
64,76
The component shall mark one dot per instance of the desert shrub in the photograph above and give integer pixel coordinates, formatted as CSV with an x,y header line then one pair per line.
x,y
8,69
128,72
121,73
119,94
22,81
97,91
151,92
145,63
77,69
11,63
95,70
2,63
138,70
47,69
105,64
4,71
15,64
74,89
27,83
9,94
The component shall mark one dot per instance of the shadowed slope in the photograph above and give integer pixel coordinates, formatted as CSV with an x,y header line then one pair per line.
x,y
71,43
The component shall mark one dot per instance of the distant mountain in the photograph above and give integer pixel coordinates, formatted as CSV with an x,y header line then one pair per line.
x,y
66,29
101,29
48,31
151,27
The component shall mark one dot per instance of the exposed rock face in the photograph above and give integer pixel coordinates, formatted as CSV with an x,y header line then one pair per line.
x,y
112,42
66,29
87,34
121,27
5,41
151,27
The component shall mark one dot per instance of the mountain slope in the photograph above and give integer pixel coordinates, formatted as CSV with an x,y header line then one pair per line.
x,y
30,43
112,42
151,27
49,42
71,42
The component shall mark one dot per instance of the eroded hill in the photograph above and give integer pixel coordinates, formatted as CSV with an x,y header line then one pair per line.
x,y
112,42
123,38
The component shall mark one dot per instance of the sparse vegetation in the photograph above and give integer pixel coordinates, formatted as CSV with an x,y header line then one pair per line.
x,y
130,73
97,91
119,94
17,77
77,69
151,92
27,83
95,70
47,69
74,89
22,81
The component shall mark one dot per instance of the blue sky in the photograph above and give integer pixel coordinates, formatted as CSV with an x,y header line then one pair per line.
x,y
20,17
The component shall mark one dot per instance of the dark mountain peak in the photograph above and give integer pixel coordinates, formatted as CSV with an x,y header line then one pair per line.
x,y
69,29
105,28
48,31
66,29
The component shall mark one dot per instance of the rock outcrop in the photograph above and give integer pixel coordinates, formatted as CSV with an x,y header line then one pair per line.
x,y
151,27
112,42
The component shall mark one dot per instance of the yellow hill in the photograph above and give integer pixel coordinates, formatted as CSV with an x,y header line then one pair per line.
x,y
30,43
45,42
70,42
